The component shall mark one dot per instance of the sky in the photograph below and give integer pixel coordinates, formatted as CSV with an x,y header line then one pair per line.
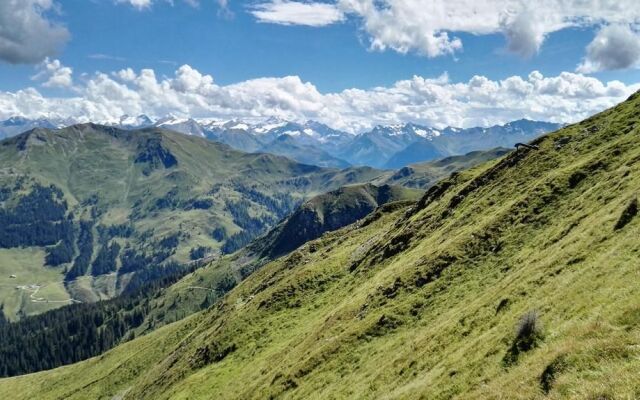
x,y
349,63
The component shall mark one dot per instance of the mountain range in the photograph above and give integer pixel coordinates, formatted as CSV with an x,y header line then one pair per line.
x,y
388,147
91,211
516,278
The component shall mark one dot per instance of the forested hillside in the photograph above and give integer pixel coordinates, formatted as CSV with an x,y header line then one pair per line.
x,y
79,331
89,211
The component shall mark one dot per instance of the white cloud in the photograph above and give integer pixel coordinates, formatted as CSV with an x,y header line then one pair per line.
x,y
524,33
189,80
144,4
415,25
614,47
54,74
26,34
284,12
100,56
139,4
438,102
429,27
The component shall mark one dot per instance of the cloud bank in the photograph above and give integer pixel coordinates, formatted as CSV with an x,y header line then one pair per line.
x,y
430,27
436,102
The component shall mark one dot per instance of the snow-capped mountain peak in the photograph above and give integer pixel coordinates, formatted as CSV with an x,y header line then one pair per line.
x,y
139,121
315,142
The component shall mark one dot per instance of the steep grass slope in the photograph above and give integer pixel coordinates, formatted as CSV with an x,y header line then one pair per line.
x,y
517,279
207,285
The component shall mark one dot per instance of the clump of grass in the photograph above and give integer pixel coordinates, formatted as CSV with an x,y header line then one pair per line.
x,y
528,336
576,178
551,372
627,215
504,303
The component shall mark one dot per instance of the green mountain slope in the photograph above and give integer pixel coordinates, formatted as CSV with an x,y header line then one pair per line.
x,y
424,175
331,211
45,341
86,208
517,279
336,209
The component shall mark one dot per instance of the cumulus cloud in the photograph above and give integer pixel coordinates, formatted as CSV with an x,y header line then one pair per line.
x,y
26,34
284,12
614,47
437,102
429,27
54,74
139,4
523,32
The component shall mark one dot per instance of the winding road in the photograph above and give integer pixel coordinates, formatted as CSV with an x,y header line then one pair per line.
x,y
36,288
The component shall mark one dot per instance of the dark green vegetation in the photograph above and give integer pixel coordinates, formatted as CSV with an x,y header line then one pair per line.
x,y
332,211
37,219
76,332
88,211
425,301
80,331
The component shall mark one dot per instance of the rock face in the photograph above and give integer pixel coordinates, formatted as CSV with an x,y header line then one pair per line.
x,y
332,211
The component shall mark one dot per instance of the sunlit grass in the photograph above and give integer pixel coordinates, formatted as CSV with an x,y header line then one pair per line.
x,y
425,303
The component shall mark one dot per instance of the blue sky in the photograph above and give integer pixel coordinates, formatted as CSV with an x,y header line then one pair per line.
x,y
239,48
350,49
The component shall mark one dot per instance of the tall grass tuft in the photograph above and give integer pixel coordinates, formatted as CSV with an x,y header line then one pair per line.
x,y
527,336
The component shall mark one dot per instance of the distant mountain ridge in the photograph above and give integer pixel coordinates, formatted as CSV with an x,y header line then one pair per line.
x,y
390,147
91,211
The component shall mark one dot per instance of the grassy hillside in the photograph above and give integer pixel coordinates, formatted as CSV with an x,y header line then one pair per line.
x,y
517,279
85,208
424,175
330,212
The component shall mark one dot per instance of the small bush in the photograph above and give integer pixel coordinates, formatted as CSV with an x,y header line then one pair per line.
x,y
504,303
528,329
528,335
219,234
